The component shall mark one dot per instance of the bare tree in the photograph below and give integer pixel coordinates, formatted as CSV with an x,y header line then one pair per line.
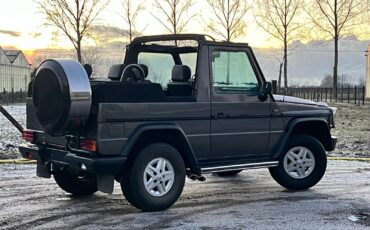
x,y
335,18
279,18
228,17
93,56
175,14
73,18
131,10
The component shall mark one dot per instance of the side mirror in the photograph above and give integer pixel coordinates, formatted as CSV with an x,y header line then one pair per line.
x,y
265,91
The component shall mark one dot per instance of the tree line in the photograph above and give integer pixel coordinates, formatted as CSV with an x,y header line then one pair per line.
x,y
283,20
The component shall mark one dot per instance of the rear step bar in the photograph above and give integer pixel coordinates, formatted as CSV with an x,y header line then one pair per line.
x,y
239,167
11,119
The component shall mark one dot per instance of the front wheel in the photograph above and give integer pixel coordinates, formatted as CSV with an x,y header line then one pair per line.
x,y
155,179
302,165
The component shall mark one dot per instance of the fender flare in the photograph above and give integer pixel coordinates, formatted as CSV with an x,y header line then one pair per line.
x,y
290,128
141,129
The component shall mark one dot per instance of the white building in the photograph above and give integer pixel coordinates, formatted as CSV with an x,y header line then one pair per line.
x,y
15,71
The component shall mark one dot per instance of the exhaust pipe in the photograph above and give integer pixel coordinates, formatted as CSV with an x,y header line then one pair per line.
x,y
196,177
193,177
202,178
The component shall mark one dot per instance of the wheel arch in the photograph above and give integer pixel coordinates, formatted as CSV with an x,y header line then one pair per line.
x,y
315,127
169,133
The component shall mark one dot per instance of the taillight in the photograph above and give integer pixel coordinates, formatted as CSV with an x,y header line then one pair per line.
x,y
28,155
88,145
28,136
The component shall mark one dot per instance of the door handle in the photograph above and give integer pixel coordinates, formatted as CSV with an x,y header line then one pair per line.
x,y
221,116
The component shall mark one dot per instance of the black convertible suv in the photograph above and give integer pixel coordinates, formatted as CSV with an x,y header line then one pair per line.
x,y
179,105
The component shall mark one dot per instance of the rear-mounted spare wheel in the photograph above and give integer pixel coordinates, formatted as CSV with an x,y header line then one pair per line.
x,y
61,95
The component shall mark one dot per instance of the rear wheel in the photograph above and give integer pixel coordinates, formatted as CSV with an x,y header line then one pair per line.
x,y
228,173
302,165
74,184
155,179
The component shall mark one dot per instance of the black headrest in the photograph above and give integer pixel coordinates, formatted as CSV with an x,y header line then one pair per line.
x,y
181,73
88,69
146,70
115,71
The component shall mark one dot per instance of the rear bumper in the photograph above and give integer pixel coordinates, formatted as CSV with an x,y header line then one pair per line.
x,y
50,157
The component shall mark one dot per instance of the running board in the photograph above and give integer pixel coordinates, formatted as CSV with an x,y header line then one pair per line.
x,y
240,167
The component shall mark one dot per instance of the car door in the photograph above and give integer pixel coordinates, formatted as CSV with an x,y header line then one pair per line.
x,y
240,121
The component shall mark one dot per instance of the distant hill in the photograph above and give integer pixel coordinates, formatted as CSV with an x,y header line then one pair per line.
x,y
309,63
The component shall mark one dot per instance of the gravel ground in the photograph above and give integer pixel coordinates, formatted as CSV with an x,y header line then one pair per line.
x,y
251,200
352,130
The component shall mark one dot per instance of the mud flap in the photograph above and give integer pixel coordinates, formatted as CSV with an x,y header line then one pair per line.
x,y
42,171
105,183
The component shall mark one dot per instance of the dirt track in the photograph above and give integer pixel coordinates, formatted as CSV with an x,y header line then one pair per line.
x,y
251,200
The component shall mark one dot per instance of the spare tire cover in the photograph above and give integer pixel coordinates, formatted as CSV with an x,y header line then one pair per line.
x,y
61,94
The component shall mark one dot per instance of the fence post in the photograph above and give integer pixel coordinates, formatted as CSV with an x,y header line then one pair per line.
x,y
308,93
355,95
274,86
348,95
20,96
312,95
6,96
318,94
304,93
331,94
363,95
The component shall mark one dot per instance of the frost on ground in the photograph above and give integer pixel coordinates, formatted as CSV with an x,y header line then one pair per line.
x,y
352,129
10,137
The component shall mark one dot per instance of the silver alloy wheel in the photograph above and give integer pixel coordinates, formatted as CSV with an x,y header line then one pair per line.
x,y
158,177
299,162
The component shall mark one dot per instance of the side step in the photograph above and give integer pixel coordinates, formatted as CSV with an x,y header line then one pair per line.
x,y
240,167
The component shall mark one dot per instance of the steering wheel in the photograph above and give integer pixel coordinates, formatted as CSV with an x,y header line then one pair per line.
x,y
133,73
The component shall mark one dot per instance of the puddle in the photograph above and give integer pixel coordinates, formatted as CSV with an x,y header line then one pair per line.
x,y
63,198
354,218
360,218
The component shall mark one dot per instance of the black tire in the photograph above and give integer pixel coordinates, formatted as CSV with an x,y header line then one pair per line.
x,y
74,184
281,175
228,173
132,180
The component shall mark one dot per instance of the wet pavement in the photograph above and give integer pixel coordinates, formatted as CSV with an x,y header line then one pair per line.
x,y
251,200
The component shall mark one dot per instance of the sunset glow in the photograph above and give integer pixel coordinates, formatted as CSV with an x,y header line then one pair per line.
x,y
26,32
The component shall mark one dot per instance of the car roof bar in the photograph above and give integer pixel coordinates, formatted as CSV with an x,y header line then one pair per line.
x,y
170,37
